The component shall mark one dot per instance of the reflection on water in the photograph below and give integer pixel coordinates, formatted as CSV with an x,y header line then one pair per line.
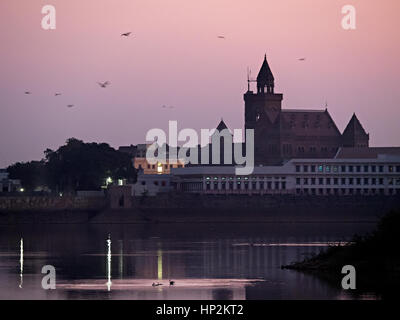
x,y
205,261
21,262
109,264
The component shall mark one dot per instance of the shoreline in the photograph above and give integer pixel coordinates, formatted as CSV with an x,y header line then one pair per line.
x,y
187,209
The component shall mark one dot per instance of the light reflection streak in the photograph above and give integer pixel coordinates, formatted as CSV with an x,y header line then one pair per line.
x,y
109,264
21,262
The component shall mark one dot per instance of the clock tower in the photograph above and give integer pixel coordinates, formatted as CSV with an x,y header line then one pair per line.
x,y
262,113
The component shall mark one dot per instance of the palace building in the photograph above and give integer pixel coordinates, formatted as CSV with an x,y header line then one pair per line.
x,y
283,134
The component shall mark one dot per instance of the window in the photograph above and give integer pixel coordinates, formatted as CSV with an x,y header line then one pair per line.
x,y
297,181
313,181
373,168
343,180
321,181
297,168
328,181
335,181
320,168
283,185
366,168
380,168
313,168
328,168
335,169
373,181
366,181
351,181
358,168
350,168
305,168
276,185
397,168
358,181
390,169
343,168
305,180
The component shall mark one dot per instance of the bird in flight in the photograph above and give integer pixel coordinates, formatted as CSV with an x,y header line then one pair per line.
x,y
126,34
57,94
104,84
221,37
302,59
27,92
165,107
70,106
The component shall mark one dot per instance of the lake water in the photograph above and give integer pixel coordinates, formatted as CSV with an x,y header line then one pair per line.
x,y
205,261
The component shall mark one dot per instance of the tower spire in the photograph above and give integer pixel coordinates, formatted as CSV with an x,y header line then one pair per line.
x,y
265,78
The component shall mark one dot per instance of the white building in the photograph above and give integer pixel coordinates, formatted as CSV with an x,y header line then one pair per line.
x,y
151,184
378,175
8,185
373,172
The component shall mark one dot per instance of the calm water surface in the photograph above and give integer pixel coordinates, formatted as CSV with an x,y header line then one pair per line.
x,y
206,261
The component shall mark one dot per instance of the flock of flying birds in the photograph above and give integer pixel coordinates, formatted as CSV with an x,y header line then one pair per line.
x,y
107,83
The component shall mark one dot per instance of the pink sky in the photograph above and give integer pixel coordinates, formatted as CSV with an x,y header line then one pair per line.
x,y
175,58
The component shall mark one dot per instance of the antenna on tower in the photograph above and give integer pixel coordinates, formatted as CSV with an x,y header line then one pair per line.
x,y
248,78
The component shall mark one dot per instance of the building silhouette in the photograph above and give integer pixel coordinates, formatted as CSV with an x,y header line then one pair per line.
x,y
283,134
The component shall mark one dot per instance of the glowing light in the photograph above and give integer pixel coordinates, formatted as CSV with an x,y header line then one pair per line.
x,y
21,189
21,262
159,260
159,168
109,180
120,182
109,283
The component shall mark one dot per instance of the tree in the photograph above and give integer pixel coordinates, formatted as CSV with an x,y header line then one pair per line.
x,y
32,174
86,166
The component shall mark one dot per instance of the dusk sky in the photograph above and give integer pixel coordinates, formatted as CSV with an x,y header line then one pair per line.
x,y
175,58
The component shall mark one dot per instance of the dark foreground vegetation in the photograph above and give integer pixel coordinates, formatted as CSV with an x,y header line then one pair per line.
x,y
74,166
376,258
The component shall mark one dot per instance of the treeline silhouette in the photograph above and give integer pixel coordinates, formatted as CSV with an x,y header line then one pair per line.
x,y
74,166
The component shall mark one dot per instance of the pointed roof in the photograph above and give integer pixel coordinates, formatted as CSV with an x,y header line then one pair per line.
x,y
221,126
354,127
265,75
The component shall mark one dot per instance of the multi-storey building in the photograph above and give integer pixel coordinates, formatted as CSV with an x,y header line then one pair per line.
x,y
379,175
